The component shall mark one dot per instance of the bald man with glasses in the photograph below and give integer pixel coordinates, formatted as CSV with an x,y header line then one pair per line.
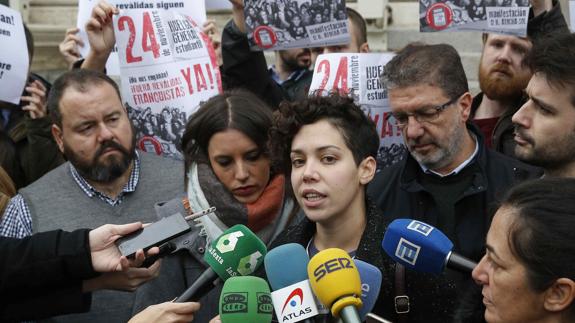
x,y
448,178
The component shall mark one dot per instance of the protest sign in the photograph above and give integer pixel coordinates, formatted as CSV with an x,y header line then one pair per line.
x,y
359,75
193,8
283,24
168,66
494,16
14,61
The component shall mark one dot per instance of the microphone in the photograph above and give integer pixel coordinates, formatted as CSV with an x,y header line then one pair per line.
x,y
370,285
286,269
245,299
335,281
422,247
237,252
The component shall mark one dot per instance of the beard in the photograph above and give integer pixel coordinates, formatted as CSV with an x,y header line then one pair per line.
x,y
293,63
547,156
445,152
103,171
501,88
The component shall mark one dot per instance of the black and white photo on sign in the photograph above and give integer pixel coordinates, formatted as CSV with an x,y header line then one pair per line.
x,y
300,23
500,16
166,126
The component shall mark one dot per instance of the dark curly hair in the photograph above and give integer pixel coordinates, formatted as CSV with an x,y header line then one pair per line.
x,y
357,130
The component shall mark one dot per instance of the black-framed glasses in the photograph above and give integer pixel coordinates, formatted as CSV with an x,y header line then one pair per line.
x,y
428,114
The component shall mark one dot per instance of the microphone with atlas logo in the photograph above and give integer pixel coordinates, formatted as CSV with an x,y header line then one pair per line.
x,y
335,281
286,270
422,247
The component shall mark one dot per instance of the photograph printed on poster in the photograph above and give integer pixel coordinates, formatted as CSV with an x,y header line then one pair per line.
x,y
281,24
168,68
500,16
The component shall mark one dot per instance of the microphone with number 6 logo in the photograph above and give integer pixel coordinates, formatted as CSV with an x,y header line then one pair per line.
x,y
237,252
422,247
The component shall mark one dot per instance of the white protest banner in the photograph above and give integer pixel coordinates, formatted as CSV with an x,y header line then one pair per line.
x,y
572,14
193,8
494,16
14,59
168,67
283,24
360,76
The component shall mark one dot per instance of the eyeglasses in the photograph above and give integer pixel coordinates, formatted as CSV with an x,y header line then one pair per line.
x,y
428,114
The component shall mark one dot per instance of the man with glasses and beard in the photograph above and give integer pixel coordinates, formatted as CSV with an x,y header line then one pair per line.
x,y
104,181
448,179
503,75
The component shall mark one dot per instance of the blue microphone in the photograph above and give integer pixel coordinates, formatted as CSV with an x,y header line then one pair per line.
x,y
422,247
370,277
292,297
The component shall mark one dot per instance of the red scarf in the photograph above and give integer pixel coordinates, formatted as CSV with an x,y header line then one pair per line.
x,y
265,209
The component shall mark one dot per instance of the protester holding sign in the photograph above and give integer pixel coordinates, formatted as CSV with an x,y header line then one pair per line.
x,y
165,73
503,75
23,114
228,166
289,78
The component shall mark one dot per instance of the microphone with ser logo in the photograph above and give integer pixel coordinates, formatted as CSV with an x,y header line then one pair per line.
x,y
335,281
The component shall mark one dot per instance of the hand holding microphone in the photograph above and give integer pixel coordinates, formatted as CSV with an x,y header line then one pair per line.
x,y
336,283
422,247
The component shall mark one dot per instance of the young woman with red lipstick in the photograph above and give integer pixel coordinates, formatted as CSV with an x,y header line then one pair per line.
x,y
227,166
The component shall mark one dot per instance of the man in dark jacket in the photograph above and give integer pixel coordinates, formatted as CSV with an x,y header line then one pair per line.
x,y
503,75
449,179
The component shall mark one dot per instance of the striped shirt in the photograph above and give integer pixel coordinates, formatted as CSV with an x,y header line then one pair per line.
x,y
17,219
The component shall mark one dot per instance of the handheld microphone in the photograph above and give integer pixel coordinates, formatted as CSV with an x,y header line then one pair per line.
x,y
422,247
370,285
335,281
286,269
245,299
237,252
